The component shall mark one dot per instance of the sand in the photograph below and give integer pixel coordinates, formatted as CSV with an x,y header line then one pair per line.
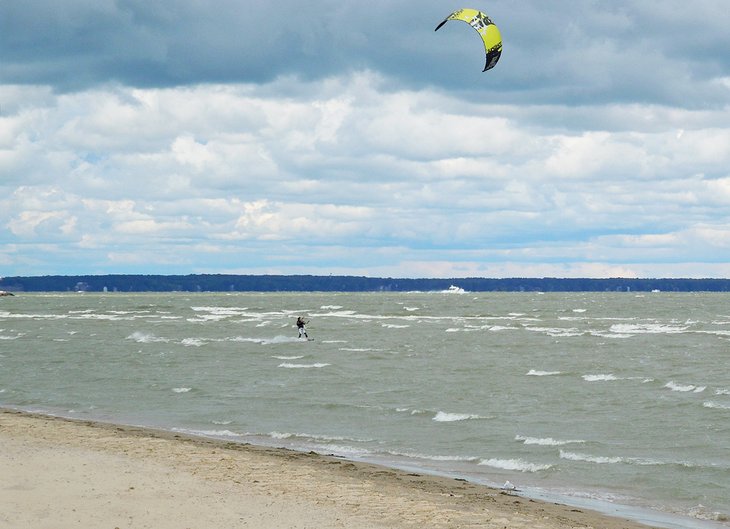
x,y
58,473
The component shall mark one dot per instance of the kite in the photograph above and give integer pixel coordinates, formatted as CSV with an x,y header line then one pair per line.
x,y
487,31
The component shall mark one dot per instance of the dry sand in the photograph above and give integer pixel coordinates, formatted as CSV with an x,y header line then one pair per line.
x,y
58,473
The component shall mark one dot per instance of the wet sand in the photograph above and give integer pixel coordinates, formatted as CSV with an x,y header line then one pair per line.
x,y
59,473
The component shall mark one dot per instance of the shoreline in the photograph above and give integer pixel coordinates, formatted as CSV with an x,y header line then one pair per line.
x,y
129,476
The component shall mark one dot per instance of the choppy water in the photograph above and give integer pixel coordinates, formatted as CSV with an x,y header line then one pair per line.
x,y
606,397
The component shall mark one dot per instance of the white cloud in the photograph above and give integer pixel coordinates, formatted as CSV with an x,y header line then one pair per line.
x,y
375,155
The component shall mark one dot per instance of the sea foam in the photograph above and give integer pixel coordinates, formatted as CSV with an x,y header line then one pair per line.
x,y
716,405
599,378
546,441
518,465
574,456
443,416
289,365
684,388
143,337
537,373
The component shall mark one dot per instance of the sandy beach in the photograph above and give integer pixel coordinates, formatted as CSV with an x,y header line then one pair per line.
x,y
59,473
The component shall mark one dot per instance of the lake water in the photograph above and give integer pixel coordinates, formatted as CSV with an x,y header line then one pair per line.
x,y
615,401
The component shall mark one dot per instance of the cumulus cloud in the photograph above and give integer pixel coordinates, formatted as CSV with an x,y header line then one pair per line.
x,y
172,138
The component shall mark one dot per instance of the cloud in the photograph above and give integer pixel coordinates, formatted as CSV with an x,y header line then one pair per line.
x,y
352,139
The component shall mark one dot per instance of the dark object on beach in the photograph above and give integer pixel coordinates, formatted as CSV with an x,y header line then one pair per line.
x,y
4,293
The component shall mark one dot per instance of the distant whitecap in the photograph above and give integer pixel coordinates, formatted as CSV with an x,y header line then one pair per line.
x,y
599,378
143,337
537,373
288,365
546,441
716,405
684,388
443,416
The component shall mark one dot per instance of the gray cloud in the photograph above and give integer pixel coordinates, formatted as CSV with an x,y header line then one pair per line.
x,y
667,52
175,138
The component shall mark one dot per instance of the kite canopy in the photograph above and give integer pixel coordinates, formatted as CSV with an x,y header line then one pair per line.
x,y
487,31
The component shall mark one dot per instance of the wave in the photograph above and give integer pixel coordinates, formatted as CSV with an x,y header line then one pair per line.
x,y
182,390
443,416
536,373
192,342
143,337
600,378
546,441
269,341
684,388
556,332
288,357
574,456
427,457
518,465
604,460
722,392
716,405
316,437
288,365
209,433
647,328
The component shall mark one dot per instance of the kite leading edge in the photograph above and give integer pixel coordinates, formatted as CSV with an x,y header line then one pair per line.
x,y
487,30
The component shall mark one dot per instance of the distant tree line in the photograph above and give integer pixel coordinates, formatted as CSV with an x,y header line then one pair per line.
x,y
313,283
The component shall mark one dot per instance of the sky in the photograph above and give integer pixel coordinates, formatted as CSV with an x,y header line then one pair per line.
x,y
347,137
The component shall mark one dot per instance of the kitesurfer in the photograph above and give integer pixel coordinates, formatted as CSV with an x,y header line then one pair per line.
x,y
301,326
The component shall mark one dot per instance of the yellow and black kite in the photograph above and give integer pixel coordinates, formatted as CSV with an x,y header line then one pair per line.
x,y
487,31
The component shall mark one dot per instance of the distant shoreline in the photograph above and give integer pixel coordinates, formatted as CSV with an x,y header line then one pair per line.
x,y
329,283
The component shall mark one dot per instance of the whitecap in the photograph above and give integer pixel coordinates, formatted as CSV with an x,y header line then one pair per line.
x,y
394,326
208,433
716,405
496,328
181,390
722,392
646,328
556,332
269,341
599,378
518,465
546,441
288,357
143,337
192,342
416,455
574,456
443,416
537,373
684,388
330,307
288,365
